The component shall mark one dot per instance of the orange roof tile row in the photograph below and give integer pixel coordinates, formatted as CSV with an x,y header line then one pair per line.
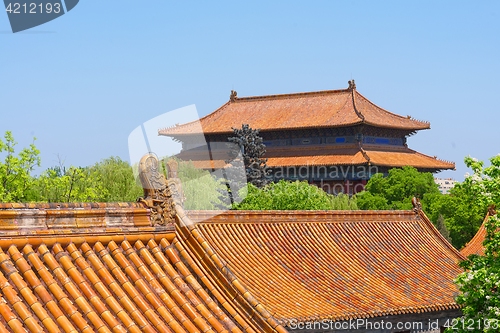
x,y
330,156
315,155
65,216
232,272
335,265
322,109
62,275
78,223
113,287
74,205
403,157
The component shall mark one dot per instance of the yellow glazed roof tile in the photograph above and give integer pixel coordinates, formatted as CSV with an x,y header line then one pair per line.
x,y
235,271
321,109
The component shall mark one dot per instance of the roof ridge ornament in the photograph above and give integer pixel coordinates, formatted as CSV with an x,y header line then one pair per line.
x,y
160,194
417,206
492,210
352,85
352,88
364,153
233,96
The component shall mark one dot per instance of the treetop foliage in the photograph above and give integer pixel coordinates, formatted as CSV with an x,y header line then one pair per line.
x,y
108,180
297,195
461,212
200,188
15,170
397,189
479,285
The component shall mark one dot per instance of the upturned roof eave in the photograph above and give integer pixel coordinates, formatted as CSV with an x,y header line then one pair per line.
x,y
416,124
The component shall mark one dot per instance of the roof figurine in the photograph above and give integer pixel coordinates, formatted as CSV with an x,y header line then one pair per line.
x,y
233,96
352,85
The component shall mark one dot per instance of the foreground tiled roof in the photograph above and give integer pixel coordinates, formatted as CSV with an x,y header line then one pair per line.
x,y
322,109
475,245
331,155
335,265
84,271
104,268
151,267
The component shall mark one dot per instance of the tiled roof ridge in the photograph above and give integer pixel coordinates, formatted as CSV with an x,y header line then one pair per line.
x,y
164,197
193,239
421,122
21,218
71,205
90,236
22,224
432,228
352,89
288,95
304,217
165,130
363,152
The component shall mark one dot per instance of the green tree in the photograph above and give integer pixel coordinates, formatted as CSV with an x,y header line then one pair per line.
x,y
462,213
252,148
397,189
75,184
285,195
343,201
441,227
200,188
368,201
479,285
15,170
117,177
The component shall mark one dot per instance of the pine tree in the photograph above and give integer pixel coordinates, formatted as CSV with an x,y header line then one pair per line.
x,y
245,164
252,149
441,227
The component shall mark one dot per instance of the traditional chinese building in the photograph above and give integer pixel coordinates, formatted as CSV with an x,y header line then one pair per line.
x,y
335,138
152,267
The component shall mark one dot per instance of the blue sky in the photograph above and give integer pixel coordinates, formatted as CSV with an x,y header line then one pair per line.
x,y
81,83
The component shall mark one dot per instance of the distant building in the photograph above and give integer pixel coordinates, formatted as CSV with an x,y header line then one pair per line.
x,y
445,185
336,139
